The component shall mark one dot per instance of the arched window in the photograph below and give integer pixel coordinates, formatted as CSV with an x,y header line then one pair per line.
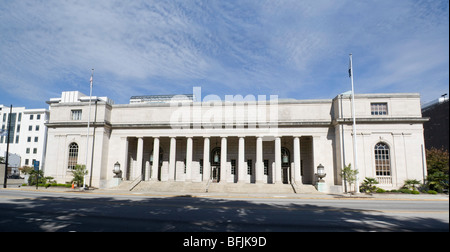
x,y
73,156
382,160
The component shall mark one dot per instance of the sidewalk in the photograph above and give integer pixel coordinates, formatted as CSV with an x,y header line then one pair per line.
x,y
317,195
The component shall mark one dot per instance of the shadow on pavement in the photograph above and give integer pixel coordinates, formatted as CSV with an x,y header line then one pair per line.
x,y
191,214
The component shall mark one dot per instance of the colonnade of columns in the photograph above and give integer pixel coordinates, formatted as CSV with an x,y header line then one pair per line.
x,y
153,172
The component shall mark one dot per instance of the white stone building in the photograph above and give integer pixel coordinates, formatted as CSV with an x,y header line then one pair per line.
x,y
28,134
238,141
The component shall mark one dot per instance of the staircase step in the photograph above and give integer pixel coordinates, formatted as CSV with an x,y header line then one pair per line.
x,y
200,187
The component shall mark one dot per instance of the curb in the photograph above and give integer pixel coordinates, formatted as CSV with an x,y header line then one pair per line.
x,y
423,197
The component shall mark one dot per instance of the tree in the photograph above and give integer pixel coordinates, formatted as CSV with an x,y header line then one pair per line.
x,y
437,160
437,181
411,184
437,167
32,178
369,185
349,175
78,174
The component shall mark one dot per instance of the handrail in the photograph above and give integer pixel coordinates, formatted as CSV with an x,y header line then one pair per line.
x,y
293,187
135,182
207,184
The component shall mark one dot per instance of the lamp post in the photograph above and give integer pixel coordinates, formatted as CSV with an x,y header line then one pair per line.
x,y
321,185
117,170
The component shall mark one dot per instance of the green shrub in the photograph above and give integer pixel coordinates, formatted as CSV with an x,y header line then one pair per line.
x,y
431,192
368,186
403,190
415,192
379,190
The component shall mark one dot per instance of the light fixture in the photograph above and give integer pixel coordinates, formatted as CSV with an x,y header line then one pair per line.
x,y
117,170
321,172
216,157
285,157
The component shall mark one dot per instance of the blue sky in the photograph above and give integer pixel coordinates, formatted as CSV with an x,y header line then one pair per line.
x,y
293,49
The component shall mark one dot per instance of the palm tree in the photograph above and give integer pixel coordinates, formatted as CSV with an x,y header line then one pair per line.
x,y
411,184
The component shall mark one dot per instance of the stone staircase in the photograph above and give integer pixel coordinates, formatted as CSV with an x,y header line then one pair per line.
x,y
172,186
202,187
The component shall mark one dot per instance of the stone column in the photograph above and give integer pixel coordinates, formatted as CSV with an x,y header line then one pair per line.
x,y
242,165
278,161
297,160
188,164
155,167
206,163
124,159
139,157
172,158
223,160
259,165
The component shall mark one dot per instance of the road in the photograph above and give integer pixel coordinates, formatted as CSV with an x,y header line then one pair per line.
x,y
86,212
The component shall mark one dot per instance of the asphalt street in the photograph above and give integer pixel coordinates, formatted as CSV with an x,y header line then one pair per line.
x,y
94,212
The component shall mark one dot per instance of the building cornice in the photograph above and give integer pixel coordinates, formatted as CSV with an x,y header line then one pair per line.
x,y
373,120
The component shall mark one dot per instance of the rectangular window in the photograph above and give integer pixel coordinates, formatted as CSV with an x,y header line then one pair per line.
x,y
12,132
34,150
28,151
27,161
37,128
76,115
31,117
201,166
249,167
28,139
36,139
266,167
233,166
378,109
38,117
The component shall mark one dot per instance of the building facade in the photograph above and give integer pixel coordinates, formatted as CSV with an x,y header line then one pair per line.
x,y
436,129
247,141
28,135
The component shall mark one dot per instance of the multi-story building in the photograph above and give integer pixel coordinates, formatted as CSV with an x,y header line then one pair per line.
x,y
436,129
27,135
238,141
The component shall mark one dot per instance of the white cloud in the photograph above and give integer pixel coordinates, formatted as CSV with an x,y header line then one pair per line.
x,y
259,47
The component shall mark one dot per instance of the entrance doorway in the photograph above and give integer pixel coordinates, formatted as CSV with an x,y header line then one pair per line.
x,y
285,175
285,165
215,165
215,174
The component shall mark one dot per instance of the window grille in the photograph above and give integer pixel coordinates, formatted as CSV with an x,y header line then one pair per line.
x,y
378,109
73,156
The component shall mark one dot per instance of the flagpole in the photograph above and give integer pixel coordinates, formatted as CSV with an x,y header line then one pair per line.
x,y
355,153
88,124
7,147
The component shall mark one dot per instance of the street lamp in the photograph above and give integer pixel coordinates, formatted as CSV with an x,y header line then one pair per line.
x,y
321,173
117,170
321,185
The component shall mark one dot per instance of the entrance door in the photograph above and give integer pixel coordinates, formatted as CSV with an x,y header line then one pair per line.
x,y
215,174
285,175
